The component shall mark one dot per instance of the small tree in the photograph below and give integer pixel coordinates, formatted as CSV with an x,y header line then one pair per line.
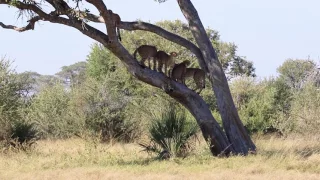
x,y
295,72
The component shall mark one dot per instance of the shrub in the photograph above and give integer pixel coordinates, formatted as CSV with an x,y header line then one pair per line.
x,y
170,134
304,115
49,111
255,102
106,113
12,93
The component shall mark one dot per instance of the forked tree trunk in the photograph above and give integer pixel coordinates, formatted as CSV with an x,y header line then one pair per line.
x,y
235,131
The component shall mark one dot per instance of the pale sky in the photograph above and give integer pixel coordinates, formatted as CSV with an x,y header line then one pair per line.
x,y
266,32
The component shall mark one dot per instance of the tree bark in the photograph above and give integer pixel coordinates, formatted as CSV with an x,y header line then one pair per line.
x,y
235,131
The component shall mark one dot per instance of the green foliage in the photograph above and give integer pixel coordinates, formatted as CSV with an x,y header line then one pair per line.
x,y
258,103
304,115
49,111
92,107
103,66
240,66
170,134
36,81
101,62
295,71
73,74
106,112
287,104
12,93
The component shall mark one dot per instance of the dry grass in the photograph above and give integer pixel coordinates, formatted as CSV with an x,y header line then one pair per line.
x,y
291,158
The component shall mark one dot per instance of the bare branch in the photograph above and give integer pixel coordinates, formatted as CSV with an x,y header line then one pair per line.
x,y
89,30
130,26
30,26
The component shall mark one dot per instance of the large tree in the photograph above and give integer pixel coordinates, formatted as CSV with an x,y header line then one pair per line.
x,y
233,139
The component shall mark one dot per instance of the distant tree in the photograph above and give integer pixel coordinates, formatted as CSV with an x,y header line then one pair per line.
x,y
233,139
295,72
37,81
73,74
240,66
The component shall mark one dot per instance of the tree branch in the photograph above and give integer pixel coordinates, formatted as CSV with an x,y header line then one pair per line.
x,y
89,16
72,12
79,25
30,26
130,26
108,19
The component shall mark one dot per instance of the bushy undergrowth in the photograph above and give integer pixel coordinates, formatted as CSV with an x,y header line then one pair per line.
x,y
272,106
106,113
304,114
14,130
49,111
171,134
108,103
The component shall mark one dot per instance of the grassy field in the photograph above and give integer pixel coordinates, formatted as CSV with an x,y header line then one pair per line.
x,y
291,158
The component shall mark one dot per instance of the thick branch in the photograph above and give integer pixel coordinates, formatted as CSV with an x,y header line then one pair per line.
x,y
130,26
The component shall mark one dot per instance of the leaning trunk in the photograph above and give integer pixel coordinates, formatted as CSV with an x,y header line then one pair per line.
x,y
236,134
211,130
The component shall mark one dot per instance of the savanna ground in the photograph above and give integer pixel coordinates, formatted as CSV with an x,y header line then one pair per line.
x,y
277,158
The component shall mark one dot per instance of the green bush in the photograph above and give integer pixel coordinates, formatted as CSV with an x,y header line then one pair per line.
x,y
106,113
259,103
304,115
12,98
170,134
49,110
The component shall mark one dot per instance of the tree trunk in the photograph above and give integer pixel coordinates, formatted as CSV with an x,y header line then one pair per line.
x,y
211,130
236,133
